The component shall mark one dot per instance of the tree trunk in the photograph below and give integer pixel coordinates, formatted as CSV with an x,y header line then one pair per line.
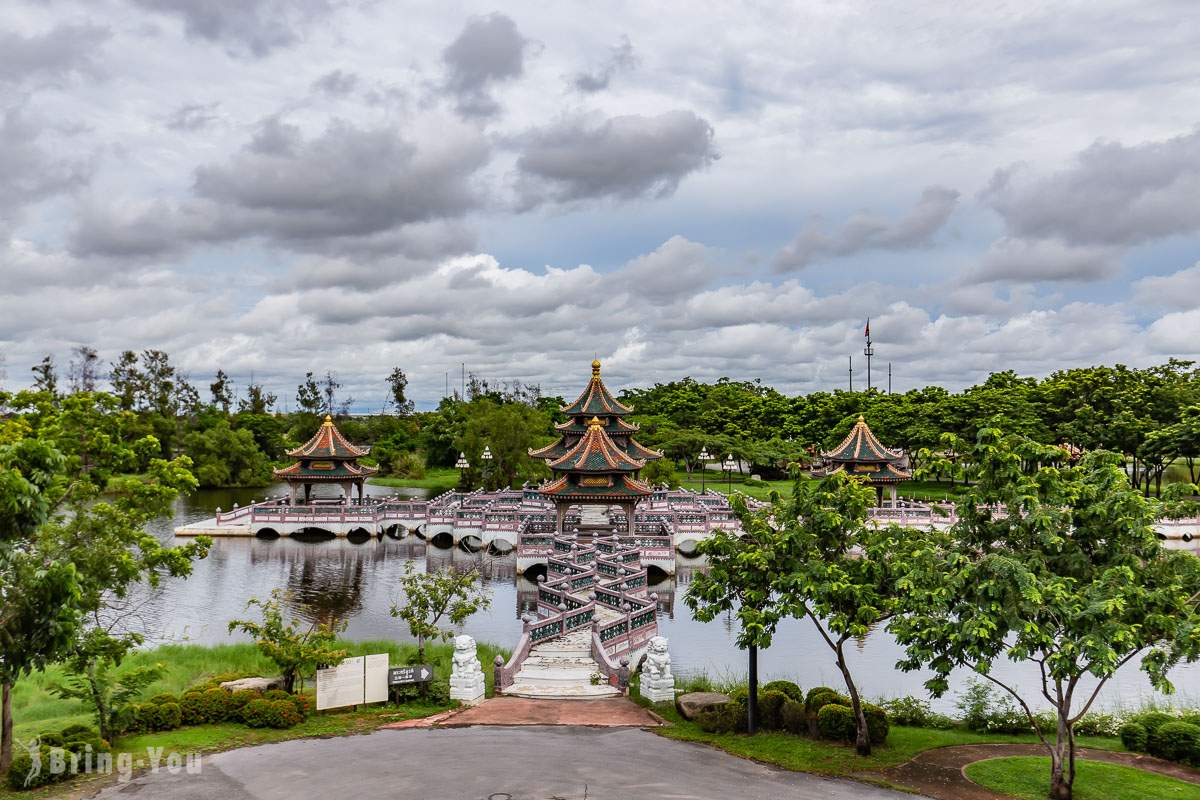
x,y
862,738
752,700
98,701
1062,763
6,725
421,660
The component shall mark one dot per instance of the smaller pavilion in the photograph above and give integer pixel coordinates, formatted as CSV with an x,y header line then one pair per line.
x,y
862,457
327,458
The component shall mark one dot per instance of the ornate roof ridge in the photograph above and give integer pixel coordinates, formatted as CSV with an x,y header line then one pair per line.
x,y
596,399
325,443
861,439
595,452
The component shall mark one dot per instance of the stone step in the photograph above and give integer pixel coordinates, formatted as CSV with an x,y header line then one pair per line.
x,y
582,661
555,674
561,692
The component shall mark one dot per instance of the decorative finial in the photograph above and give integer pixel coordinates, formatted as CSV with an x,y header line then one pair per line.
x,y
594,422
596,368
328,420
860,418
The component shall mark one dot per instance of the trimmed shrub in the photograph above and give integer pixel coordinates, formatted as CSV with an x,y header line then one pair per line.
x,y
52,739
303,705
170,716
914,712
877,723
80,746
238,701
1191,718
725,718
1096,724
276,694
787,687
214,705
836,721
21,766
1152,721
78,731
201,687
817,702
164,697
1175,741
192,704
770,710
740,695
813,692
1133,736
794,718
281,713
254,713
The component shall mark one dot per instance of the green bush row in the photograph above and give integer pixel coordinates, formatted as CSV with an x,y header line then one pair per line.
x,y
78,740
783,707
1164,736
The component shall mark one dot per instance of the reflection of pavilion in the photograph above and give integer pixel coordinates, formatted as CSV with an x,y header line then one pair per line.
x,y
862,457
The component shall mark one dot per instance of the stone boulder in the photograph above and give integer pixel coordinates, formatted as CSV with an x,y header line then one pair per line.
x,y
691,704
257,684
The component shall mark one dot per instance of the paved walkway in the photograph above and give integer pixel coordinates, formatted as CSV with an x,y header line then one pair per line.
x,y
939,773
613,712
490,763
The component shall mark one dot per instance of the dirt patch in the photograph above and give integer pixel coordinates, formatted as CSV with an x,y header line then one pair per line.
x,y
939,773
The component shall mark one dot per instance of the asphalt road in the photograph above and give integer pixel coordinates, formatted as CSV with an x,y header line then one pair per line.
x,y
488,763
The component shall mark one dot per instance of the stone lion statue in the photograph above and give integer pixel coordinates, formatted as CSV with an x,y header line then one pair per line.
x,y
465,660
658,661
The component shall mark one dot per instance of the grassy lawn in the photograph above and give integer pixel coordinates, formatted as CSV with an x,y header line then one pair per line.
x,y
37,710
1029,777
440,478
831,758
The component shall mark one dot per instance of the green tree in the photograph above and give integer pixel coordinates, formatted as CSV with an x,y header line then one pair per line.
x,y
296,649
91,680
222,391
126,379
45,379
509,431
83,368
1071,577
742,570
839,571
661,471
431,597
66,550
397,384
227,457
258,400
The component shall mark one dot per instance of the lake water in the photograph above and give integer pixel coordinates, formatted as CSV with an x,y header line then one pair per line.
x,y
358,582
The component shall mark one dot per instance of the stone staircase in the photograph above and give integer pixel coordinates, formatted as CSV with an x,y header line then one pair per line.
x,y
561,669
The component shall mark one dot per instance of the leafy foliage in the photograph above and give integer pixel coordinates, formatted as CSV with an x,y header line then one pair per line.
x,y
295,648
431,597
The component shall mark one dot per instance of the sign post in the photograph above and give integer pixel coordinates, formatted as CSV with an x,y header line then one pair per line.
x,y
421,673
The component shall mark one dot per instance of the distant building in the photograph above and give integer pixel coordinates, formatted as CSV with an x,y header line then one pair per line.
x,y
327,458
862,457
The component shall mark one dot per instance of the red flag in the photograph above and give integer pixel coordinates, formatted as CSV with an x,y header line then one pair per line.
x,y
867,332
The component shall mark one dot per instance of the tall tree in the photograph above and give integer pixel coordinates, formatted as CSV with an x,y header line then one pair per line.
x,y
45,379
258,400
222,391
84,369
397,384
329,388
126,379
308,396
432,600
1070,576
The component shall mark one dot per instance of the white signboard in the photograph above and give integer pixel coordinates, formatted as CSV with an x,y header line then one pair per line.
x,y
375,682
341,685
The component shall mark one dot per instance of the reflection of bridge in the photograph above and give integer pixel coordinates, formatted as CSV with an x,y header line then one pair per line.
x,y
477,520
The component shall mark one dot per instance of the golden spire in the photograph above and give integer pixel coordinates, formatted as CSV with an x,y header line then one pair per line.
x,y
329,420
595,422
596,368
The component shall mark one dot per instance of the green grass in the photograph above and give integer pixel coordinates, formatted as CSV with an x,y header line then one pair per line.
x,y
440,478
831,758
1029,777
36,709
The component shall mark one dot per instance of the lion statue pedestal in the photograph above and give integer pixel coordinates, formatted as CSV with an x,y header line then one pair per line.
x,y
466,676
658,684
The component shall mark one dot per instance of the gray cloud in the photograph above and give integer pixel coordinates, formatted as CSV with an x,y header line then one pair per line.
x,y
337,190
869,232
621,57
1050,260
246,28
618,157
1110,195
336,83
1178,290
63,51
678,268
28,172
193,116
489,50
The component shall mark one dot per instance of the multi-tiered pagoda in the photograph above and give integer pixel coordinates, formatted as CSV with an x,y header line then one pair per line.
x,y
596,461
862,457
327,458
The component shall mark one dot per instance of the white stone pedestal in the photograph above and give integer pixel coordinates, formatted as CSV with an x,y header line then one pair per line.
x,y
658,691
466,677
658,684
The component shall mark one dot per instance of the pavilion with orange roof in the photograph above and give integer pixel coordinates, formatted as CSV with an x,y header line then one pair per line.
x,y
596,461
327,458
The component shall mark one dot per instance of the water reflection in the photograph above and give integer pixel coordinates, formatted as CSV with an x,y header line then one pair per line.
x,y
358,581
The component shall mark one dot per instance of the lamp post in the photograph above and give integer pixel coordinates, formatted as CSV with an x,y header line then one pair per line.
x,y
487,464
704,459
463,465
730,466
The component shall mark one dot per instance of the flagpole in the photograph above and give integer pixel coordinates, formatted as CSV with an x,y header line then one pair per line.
x,y
868,351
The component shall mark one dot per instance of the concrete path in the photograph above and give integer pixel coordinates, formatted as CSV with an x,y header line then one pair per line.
x,y
939,773
605,713
489,763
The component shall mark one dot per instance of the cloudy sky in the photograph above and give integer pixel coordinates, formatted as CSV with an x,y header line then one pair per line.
x,y
704,189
